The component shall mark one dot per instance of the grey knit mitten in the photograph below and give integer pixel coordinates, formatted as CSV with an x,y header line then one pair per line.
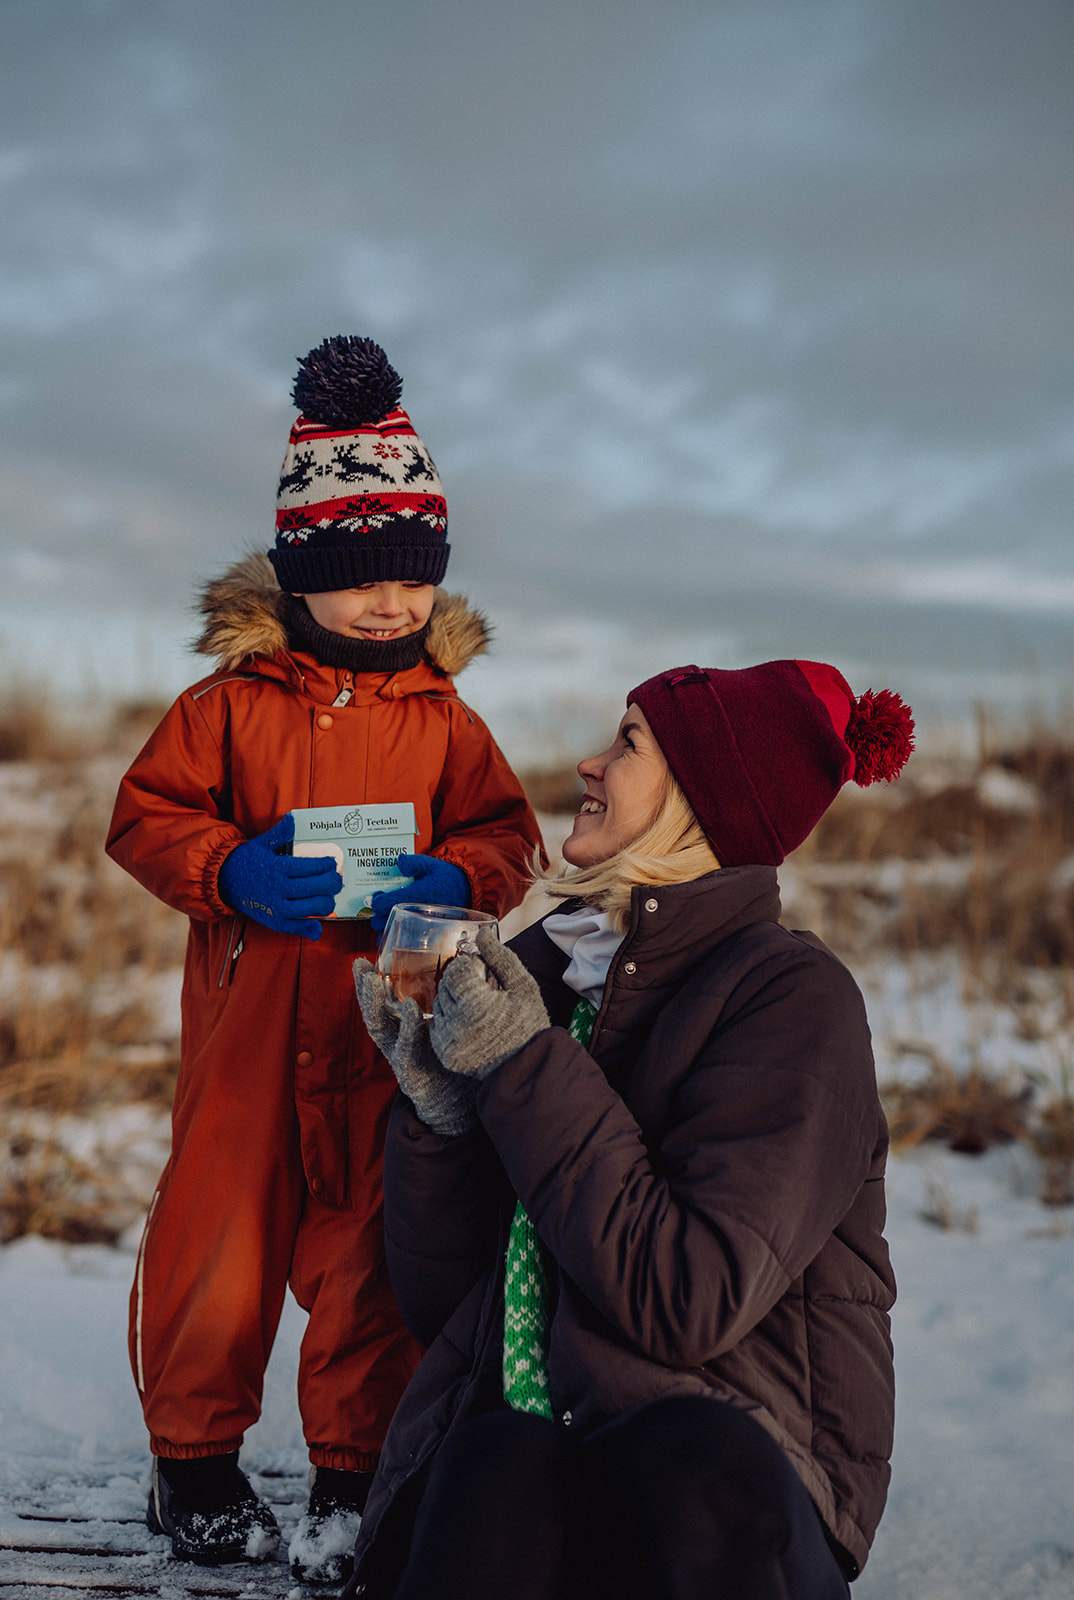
x,y
478,1024
444,1102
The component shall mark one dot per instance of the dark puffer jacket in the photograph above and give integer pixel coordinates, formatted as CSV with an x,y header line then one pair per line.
x,y
708,1177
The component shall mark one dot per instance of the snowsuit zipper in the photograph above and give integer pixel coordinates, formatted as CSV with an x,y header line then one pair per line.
x,y
227,971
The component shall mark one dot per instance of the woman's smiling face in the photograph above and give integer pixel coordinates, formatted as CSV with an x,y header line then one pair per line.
x,y
623,790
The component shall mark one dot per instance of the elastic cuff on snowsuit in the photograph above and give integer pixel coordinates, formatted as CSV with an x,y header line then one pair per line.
x,y
210,878
445,853
192,1452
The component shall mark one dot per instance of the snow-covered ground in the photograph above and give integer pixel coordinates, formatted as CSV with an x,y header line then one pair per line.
x,y
982,1500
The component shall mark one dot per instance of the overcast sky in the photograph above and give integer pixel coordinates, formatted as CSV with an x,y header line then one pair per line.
x,y
705,310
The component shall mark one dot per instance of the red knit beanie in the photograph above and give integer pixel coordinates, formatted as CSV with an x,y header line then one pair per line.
x,y
761,752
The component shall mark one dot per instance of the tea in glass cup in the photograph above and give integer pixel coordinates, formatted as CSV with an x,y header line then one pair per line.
x,y
417,944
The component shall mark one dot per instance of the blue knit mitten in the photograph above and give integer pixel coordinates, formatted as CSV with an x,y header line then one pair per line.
x,y
436,883
281,891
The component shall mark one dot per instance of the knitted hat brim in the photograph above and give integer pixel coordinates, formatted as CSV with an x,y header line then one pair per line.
x,y
318,569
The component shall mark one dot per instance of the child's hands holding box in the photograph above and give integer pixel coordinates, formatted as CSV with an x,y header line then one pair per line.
x,y
364,842
261,879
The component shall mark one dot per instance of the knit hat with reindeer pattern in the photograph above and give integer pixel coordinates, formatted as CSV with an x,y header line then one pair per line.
x,y
761,752
360,500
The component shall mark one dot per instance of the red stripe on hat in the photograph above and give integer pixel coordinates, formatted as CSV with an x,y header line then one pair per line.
x,y
385,502
396,422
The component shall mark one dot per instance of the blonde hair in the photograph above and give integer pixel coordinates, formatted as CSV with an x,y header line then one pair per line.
x,y
671,848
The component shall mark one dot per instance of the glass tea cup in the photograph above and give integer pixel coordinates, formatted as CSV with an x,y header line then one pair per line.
x,y
418,942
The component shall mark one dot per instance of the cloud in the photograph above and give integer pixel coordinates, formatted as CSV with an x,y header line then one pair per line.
x,y
989,585
755,89
761,293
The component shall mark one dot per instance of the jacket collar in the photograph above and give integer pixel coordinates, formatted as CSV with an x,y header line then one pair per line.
x,y
244,627
320,683
690,919
673,929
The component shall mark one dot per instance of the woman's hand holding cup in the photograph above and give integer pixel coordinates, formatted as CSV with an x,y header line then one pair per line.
x,y
444,1102
486,1010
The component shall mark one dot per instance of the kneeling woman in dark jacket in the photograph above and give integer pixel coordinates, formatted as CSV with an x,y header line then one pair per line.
x,y
634,1193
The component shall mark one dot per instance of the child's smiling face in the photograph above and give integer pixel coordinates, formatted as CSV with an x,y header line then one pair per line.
x,y
375,611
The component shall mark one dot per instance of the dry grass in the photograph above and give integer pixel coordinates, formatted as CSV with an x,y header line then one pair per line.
x,y
27,729
941,1210
48,1191
84,951
975,1110
1052,1137
554,791
977,858
981,861
968,1111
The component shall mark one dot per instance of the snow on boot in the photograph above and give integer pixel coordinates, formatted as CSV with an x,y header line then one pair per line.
x,y
322,1549
210,1511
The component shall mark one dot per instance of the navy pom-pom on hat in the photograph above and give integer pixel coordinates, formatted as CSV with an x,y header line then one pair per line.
x,y
346,382
360,499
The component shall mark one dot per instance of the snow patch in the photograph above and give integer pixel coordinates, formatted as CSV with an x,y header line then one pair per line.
x,y
322,1547
981,1505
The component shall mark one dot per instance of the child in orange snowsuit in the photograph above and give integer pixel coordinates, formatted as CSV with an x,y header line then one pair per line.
x,y
334,687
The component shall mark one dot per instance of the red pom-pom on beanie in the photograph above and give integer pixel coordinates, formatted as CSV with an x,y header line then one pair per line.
x,y
880,734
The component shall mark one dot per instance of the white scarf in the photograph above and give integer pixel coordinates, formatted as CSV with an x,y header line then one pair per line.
x,y
590,941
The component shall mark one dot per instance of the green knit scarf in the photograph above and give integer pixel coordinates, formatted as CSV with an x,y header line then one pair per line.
x,y
525,1288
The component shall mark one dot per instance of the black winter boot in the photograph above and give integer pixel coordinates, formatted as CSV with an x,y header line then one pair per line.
x,y
322,1549
210,1511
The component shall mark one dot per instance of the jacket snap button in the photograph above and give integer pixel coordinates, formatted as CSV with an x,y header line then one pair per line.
x,y
304,1058
316,1185
630,967
567,1419
652,905
324,720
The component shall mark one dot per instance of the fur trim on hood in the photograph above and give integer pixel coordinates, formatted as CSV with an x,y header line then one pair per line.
x,y
243,611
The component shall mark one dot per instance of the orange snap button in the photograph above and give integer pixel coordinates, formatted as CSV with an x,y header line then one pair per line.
x,y
324,720
304,1058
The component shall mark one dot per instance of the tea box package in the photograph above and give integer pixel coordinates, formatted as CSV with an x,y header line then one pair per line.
x,y
364,841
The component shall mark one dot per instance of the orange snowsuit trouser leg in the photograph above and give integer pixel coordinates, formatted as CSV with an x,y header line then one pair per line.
x,y
233,1220
357,1357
